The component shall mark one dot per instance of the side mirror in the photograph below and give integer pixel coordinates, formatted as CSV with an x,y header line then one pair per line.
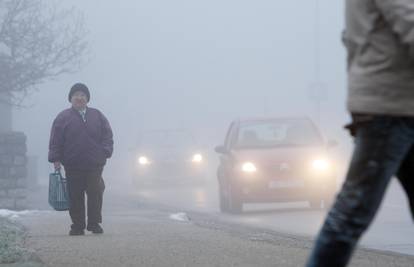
x,y
220,149
332,143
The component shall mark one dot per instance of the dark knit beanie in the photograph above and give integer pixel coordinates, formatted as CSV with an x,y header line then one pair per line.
x,y
79,87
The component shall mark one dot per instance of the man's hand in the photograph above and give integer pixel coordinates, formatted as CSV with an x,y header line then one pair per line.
x,y
57,165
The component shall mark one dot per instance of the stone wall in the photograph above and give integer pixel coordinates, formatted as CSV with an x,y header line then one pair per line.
x,y
13,171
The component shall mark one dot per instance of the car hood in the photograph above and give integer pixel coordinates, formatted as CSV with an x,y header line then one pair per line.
x,y
279,154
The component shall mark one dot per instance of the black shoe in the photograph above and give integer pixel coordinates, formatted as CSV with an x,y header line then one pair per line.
x,y
95,228
76,232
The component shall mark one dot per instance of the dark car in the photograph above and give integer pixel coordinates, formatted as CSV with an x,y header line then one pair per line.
x,y
167,157
272,160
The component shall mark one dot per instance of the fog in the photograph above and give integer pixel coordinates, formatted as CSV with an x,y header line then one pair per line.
x,y
198,65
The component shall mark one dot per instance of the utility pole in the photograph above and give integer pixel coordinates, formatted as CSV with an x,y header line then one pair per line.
x,y
265,106
317,89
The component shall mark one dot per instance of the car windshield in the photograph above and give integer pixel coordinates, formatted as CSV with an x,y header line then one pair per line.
x,y
166,139
262,134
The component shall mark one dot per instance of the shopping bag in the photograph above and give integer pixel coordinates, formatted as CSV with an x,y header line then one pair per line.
x,y
58,192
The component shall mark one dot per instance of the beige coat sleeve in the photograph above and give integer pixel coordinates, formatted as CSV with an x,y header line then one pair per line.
x,y
400,15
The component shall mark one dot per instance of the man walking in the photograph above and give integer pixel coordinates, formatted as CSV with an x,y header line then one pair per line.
x,y
81,140
379,38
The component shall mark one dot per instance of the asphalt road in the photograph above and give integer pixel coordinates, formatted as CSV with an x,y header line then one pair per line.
x,y
392,230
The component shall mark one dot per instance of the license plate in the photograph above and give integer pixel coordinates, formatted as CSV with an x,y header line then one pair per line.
x,y
286,183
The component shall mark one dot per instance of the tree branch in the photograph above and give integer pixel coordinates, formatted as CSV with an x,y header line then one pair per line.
x,y
38,42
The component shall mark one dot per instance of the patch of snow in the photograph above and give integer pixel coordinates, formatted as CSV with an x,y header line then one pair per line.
x,y
15,214
181,216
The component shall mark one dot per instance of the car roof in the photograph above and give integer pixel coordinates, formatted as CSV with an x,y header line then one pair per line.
x,y
166,131
263,119
182,132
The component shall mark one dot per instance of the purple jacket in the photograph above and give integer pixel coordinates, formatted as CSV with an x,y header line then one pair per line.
x,y
80,145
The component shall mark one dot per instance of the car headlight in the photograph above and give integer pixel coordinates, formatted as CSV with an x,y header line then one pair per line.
x,y
197,158
143,160
322,165
248,167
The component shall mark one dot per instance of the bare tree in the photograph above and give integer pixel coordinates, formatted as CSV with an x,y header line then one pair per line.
x,y
38,42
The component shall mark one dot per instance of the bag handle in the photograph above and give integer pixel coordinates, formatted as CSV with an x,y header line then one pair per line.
x,y
63,181
59,173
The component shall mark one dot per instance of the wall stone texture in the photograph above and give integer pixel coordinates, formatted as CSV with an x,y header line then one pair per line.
x,y
13,171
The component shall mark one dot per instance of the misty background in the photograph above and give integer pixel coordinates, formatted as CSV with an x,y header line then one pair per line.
x,y
198,65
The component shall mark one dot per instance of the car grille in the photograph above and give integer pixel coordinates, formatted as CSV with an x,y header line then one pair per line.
x,y
283,170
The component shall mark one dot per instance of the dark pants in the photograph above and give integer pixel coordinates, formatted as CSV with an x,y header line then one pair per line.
x,y
79,183
384,147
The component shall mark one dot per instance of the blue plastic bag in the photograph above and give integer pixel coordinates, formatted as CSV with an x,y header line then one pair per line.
x,y
58,192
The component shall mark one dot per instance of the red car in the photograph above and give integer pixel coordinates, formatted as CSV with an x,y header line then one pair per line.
x,y
272,160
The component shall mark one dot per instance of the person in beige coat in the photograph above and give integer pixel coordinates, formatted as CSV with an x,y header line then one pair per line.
x,y
379,38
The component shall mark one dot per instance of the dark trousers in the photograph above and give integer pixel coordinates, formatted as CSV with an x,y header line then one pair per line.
x,y
384,147
91,183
